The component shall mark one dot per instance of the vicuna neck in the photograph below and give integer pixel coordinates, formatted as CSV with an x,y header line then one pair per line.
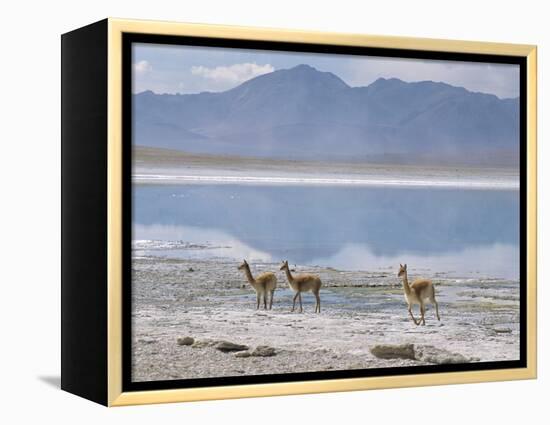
x,y
406,286
288,275
248,274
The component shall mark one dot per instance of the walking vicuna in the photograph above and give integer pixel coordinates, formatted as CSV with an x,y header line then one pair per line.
x,y
417,293
303,283
263,284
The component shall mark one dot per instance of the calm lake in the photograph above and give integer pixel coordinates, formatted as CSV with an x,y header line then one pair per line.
x,y
463,233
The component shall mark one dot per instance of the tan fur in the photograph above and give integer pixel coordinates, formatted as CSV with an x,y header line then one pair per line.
x,y
304,282
263,284
417,293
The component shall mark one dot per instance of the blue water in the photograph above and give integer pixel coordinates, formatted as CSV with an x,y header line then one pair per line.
x,y
446,230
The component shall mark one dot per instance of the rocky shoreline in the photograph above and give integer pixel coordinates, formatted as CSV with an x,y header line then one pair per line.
x,y
197,319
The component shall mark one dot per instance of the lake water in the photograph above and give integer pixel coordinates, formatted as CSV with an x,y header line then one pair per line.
x,y
459,232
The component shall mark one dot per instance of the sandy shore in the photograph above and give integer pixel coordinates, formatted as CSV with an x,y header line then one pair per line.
x,y
209,301
159,166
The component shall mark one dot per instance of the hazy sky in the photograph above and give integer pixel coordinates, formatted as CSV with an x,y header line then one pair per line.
x,y
183,69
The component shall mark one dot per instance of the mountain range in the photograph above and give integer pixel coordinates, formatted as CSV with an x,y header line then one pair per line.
x,y
302,113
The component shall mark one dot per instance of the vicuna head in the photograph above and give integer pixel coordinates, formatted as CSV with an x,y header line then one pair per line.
x,y
243,266
284,265
402,270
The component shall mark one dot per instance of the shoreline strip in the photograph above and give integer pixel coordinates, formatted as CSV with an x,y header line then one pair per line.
x,y
325,181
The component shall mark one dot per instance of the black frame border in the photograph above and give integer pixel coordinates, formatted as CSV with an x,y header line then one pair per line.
x,y
129,38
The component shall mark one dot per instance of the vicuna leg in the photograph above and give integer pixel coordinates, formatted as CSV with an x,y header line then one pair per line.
x,y
294,301
412,316
318,304
422,312
257,300
271,299
434,302
265,300
300,298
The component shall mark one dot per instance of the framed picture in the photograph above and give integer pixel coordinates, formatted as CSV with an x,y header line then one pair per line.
x,y
251,212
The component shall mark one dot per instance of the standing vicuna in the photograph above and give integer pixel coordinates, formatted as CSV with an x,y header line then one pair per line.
x,y
417,293
303,283
263,284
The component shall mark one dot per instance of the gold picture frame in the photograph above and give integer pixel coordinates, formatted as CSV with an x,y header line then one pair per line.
x,y
114,394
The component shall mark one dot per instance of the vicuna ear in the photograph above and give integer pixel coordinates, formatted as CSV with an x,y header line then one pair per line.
x,y
400,265
405,267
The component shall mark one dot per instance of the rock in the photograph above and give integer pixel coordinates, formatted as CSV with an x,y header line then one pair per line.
x,y
263,351
388,351
422,353
186,340
190,269
431,354
204,343
259,351
226,346
503,330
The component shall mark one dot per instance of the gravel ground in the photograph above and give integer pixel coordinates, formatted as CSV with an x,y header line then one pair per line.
x,y
209,301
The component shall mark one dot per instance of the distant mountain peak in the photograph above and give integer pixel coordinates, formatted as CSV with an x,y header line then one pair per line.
x,y
310,74
381,85
303,68
146,93
291,80
381,81
389,80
